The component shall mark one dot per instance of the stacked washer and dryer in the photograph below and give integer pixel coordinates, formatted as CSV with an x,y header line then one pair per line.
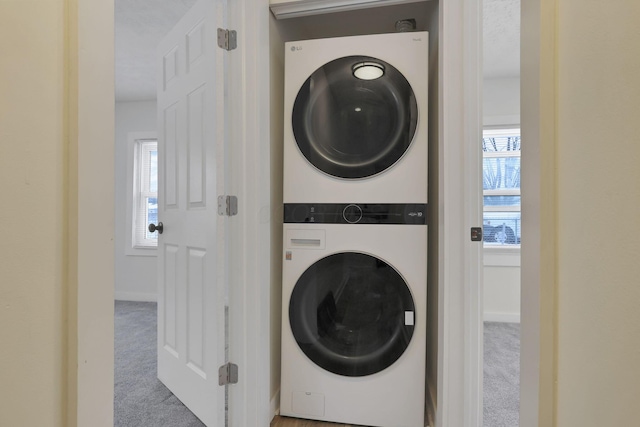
x,y
355,230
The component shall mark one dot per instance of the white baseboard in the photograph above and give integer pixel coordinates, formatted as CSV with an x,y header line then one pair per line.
x,y
275,404
502,317
136,296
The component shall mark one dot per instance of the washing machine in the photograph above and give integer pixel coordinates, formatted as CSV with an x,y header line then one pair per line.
x,y
354,313
355,119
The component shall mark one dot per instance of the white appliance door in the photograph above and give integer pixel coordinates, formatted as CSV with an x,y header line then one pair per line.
x,y
355,117
352,314
192,250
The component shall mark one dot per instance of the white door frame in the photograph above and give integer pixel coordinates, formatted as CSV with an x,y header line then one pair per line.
x,y
250,248
91,167
91,305
459,400
460,371
538,256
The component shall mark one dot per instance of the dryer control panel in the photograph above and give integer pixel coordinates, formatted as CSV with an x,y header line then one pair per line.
x,y
356,213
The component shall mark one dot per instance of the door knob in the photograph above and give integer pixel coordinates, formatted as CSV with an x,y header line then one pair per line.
x,y
159,228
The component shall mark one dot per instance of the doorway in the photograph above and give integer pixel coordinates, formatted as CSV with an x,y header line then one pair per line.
x,y
248,325
502,224
139,26
95,391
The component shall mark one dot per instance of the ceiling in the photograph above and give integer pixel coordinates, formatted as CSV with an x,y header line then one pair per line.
x,y
140,24
139,27
501,38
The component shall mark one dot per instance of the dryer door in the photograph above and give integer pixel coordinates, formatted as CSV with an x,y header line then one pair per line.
x,y
355,117
352,314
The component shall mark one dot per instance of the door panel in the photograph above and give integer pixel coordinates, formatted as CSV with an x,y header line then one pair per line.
x,y
192,248
169,298
196,310
197,155
170,175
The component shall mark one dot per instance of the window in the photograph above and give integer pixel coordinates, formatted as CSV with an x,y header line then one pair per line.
x,y
501,187
145,193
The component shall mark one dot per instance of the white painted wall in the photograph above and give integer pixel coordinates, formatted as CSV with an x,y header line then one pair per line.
x,y
135,275
501,107
501,101
502,285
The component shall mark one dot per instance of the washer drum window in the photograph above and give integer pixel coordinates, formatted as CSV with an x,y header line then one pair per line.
x,y
355,117
352,314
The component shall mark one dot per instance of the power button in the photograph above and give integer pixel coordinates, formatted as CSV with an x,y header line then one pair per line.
x,y
352,214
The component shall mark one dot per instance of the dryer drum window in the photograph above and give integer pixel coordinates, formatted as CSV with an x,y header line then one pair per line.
x,y
352,314
355,117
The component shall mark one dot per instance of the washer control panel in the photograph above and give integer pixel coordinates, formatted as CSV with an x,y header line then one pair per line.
x,y
356,213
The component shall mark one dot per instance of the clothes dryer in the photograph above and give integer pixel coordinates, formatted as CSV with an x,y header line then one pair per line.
x,y
356,119
354,313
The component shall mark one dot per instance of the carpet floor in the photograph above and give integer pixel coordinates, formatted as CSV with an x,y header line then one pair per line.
x,y
501,393
141,400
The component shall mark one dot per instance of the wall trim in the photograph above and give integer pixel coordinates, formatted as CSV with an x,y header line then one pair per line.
x,y
275,404
136,296
460,306
249,179
502,317
93,227
284,9
538,331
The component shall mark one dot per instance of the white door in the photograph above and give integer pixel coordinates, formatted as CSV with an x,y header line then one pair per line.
x,y
192,250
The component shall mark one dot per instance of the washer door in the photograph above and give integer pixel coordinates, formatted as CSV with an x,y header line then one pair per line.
x,y
352,314
355,117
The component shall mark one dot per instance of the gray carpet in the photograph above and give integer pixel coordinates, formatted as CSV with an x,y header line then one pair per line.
x,y
501,374
141,400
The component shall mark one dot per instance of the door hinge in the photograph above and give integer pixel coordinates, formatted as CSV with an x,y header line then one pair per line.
x,y
227,39
227,205
476,234
228,374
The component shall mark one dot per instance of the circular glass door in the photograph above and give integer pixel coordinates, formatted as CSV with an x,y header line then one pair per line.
x,y
354,117
352,314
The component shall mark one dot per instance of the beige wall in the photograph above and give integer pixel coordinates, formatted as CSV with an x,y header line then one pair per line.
x,y
598,201
56,184
32,189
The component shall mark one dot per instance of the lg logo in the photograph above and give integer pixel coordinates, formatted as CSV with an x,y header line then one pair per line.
x,y
294,48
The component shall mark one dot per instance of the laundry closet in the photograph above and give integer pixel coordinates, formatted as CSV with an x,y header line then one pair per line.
x,y
319,384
